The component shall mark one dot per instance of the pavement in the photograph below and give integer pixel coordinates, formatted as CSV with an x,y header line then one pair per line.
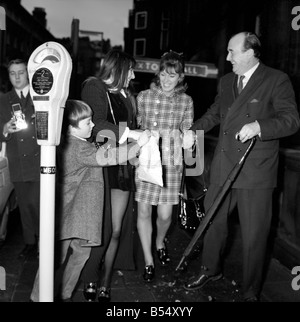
x,y
167,287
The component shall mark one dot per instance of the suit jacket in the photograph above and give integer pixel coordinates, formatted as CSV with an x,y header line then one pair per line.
x,y
23,152
268,98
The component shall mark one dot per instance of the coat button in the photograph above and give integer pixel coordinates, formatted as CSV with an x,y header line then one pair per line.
x,y
248,115
239,150
225,132
222,150
154,123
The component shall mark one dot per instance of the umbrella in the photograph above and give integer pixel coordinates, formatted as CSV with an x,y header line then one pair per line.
x,y
212,210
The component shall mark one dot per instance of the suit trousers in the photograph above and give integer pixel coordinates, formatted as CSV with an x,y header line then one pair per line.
x,y
255,214
28,198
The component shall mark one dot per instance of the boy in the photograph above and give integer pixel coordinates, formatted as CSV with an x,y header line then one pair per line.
x,y
81,193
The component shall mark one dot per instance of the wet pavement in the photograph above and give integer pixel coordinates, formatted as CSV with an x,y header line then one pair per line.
x,y
128,285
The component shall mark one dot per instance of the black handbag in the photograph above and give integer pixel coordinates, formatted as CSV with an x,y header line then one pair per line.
x,y
191,206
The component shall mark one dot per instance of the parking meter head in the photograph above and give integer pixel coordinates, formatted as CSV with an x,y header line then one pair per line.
x,y
49,70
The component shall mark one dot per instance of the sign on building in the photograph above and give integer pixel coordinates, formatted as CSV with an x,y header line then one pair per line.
x,y
206,70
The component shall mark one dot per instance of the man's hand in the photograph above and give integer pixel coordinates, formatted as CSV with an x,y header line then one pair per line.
x,y
248,131
10,127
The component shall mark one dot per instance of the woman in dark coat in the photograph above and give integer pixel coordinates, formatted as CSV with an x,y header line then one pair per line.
x,y
114,116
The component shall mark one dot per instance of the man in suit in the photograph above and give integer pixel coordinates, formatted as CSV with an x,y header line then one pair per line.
x,y
17,128
265,108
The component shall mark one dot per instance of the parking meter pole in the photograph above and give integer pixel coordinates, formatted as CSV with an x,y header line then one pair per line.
x,y
47,223
49,70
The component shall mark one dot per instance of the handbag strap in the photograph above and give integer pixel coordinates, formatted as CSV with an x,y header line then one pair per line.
x,y
111,110
181,191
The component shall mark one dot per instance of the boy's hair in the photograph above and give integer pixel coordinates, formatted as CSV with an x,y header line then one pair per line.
x,y
75,111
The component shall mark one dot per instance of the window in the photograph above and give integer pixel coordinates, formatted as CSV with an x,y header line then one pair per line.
x,y
141,20
139,47
164,32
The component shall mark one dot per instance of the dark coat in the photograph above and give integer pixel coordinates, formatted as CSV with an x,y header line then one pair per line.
x,y
268,98
23,152
94,94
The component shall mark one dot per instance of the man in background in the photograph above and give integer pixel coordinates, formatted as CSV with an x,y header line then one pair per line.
x,y
17,129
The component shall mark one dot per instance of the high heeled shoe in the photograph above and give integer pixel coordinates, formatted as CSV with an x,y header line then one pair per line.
x,y
104,294
163,256
90,291
149,273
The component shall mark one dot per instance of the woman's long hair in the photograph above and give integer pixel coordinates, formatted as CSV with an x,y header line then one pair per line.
x,y
115,68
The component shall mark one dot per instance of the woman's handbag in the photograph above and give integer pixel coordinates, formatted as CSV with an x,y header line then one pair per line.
x,y
191,208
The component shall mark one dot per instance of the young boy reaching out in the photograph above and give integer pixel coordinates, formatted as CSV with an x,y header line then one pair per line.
x,y
80,190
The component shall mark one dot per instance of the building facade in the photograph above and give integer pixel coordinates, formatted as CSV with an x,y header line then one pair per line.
x,y
24,32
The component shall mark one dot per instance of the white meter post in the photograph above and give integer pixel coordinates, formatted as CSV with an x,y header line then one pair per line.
x,y
49,70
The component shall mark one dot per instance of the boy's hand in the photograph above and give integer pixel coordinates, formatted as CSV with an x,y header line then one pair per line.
x,y
144,138
134,134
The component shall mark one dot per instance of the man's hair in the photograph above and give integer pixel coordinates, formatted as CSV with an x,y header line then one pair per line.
x,y
75,111
252,42
17,62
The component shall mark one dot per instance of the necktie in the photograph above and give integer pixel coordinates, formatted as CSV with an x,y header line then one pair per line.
x,y
23,99
240,84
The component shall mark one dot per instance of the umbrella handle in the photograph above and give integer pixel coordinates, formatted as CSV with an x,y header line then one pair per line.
x,y
248,149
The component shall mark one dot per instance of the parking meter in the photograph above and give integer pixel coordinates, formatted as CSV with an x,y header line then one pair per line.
x,y
49,70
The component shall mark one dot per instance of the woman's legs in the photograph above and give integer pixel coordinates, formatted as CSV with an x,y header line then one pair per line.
x,y
144,225
163,222
119,202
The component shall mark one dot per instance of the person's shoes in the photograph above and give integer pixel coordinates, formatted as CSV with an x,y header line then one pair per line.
x,y
104,294
28,250
163,256
252,299
149,273
66,300
90,292
201,280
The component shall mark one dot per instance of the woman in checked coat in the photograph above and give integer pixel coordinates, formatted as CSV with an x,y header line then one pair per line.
x,y
167,112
